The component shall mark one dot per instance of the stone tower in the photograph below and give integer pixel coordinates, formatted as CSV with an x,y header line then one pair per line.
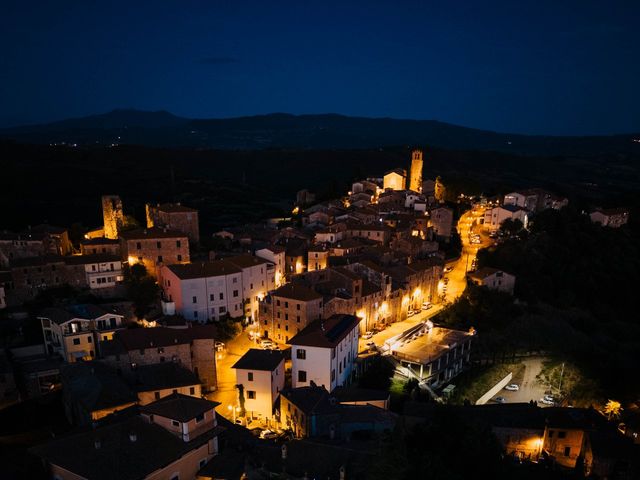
x,y
415,177
113,215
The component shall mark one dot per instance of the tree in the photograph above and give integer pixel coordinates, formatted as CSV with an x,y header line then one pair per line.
x,y
613,409
377,375
511,227
142,289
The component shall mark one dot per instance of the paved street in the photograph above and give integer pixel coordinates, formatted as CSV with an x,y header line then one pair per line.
x,y
227,394
455,286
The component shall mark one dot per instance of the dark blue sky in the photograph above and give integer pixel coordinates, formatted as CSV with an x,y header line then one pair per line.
x,y
555,67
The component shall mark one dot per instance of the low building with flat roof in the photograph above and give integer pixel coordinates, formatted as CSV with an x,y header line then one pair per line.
x,y
433,354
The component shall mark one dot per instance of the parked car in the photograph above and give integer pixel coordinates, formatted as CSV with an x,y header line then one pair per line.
x,y
268,435
266,344
500,400
546,401
448,269
219,346
371,345
367,335
241,421
426,305
256,431
410,313
514,387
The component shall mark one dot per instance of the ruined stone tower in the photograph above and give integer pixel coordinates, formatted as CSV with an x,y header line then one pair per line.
x,y
113,215
415,177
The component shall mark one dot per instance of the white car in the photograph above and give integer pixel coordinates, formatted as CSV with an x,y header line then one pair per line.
x,y
367,335
268,435
547,401
371,345
266,344
426,305
514,387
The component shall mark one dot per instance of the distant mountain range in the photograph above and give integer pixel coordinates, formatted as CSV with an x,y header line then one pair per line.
x,y
278,130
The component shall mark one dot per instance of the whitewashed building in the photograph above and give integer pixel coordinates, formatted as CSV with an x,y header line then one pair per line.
x,y
275,255
493,217
324,352
205,290
261,373
494,279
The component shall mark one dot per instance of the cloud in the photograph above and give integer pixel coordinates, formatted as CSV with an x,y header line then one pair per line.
x,y
218,60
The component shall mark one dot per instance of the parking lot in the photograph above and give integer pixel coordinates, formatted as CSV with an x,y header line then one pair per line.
x,y
530,389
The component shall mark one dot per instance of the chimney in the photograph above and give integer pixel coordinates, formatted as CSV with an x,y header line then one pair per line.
x,y
284,452
97,444
342,472
133,437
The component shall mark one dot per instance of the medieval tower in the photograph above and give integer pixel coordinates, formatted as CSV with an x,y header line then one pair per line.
x,y
113,215
415,177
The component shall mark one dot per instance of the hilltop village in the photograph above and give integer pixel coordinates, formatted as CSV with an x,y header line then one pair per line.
x,y
263,355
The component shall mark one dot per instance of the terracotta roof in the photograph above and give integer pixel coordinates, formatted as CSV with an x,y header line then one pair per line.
x,y
179,407
93,258
161,376
36,261
95,386
256,359
297,292
138,338
326,333
214,268
309,400
173,208
152,233
483,273
118,457
246,261
99,241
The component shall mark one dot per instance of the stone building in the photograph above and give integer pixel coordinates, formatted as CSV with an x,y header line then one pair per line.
x,y
288,310
172,438
415,177
318,258
174,216
154,247
112,215
395,179
98,272
193,348
102,245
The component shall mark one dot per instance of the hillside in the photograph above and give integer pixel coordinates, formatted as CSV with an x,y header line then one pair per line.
x,y
327,131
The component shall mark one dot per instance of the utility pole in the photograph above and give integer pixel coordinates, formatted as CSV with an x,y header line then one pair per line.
x,y
560,384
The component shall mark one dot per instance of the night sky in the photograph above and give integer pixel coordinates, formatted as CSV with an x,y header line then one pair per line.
x,y
553,67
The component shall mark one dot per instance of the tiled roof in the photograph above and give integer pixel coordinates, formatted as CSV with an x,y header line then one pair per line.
x,y
152,233
88,259
161,376
214,268
173,208
246,261
96,386
179,407
483,273
310,400
256,359
297,292
326,333
99,241
117,456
